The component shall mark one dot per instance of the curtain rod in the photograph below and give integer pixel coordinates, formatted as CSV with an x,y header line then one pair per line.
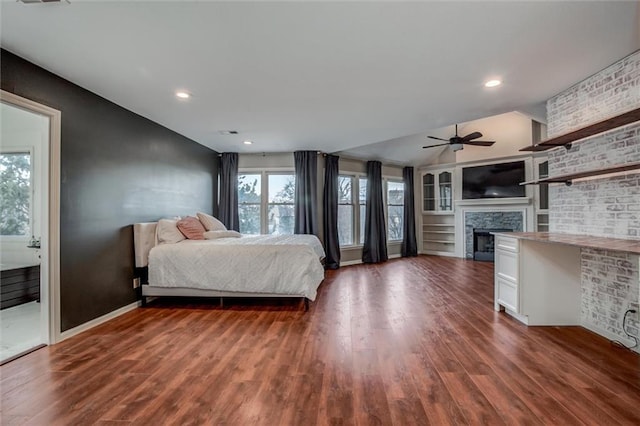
x,y
264,154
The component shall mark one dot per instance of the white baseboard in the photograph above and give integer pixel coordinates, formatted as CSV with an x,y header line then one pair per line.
x,y
359,261
609,335
97,321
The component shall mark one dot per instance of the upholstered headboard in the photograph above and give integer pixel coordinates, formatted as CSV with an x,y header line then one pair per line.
x,y
144,239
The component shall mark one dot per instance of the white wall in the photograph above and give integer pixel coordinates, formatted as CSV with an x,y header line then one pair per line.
x,y
21,131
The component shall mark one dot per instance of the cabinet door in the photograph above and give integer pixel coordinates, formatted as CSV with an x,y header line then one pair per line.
x,y
507,294
428,192
507,278
445,191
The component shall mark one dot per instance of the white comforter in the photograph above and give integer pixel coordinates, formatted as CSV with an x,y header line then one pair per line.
x,y
283,264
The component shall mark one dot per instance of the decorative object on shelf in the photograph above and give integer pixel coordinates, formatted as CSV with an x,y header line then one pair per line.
x,y
457,142
584,132
568,178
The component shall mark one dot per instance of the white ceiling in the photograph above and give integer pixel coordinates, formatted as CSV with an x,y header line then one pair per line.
x,y
320,75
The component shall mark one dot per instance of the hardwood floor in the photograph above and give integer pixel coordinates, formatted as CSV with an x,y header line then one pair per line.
x,y
409,342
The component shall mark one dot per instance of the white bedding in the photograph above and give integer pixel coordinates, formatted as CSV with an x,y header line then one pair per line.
x,y
283,264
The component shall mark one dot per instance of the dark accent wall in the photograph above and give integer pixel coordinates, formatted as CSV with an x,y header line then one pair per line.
x,y
117,168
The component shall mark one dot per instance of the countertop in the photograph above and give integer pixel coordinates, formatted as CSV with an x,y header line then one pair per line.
x,y
587,241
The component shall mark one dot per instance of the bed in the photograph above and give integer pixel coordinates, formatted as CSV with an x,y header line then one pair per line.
x,y
249,266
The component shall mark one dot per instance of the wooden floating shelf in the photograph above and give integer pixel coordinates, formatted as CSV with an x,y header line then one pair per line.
x,y
568,178
590,130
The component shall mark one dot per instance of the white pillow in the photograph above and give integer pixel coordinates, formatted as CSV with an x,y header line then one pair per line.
x,y
210,223
168,232
214,235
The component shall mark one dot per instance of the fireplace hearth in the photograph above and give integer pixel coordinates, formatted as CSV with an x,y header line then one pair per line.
x,y
483,243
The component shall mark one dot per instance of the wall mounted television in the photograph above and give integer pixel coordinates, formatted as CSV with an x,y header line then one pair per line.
x,y
493,181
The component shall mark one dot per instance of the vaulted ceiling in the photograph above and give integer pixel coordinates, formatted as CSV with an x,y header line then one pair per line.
x,y
321,75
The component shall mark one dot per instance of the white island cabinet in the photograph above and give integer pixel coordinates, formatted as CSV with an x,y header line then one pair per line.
x,y
536,282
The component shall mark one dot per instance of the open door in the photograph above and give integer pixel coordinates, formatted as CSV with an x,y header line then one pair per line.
x,y
29,226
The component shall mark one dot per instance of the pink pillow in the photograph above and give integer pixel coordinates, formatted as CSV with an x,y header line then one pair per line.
x,y
191,228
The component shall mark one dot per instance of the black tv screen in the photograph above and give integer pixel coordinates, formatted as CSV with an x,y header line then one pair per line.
x,y
493,181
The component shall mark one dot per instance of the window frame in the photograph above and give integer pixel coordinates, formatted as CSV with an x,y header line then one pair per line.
x,y
260,209
268,204
387,205
264,191
354,221
26,149
355,206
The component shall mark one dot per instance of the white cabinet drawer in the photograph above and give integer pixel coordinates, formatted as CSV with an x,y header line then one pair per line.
x,y
507,294
506,265
506,243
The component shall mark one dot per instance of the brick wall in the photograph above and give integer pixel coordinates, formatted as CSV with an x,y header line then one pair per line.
x,y
608,206
609,287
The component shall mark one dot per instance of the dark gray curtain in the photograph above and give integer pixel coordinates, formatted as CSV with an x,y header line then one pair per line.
x,y
409,244
228,207
375,230
306,200
330,209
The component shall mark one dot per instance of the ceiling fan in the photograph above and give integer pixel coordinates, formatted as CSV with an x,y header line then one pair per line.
x,y
458,142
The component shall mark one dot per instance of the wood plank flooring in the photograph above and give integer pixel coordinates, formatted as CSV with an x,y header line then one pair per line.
x,y
408,342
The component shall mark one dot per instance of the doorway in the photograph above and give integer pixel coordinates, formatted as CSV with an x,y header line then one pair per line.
x,y
29,226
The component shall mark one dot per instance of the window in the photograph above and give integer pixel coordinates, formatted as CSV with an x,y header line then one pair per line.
x,y
280,209
395,210
249,202
265,203
346,230
362,202
15,193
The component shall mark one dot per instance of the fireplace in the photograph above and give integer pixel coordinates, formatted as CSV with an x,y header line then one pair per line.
x,y
495,220
483,243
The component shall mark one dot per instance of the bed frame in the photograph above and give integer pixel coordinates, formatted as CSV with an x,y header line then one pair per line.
x,y
144,239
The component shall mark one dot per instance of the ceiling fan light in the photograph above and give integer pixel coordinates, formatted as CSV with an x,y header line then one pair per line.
x,y
456,146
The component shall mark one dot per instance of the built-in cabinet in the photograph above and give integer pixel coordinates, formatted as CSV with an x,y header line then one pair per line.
x,y
542,196
438,223
536,282
437,191
438,234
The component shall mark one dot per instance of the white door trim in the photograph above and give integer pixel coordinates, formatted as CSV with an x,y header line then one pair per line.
x,y
51,236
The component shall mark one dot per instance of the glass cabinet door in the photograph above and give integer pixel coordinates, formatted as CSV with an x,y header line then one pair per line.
x,y
444,184
428,192
543,172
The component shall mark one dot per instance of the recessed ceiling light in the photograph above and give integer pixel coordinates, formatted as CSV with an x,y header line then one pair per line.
x,y
492,83
183,95
247,142
228,132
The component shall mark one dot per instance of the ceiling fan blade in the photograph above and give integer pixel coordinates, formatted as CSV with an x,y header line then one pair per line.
x,y
433,146
470,136
479,143
440,139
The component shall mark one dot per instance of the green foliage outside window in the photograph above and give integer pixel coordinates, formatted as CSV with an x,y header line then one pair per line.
x,y
15,187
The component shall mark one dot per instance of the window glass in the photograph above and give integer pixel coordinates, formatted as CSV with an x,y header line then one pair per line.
x,y
362,202
15,193
281,193
395,210
345,210
249,197
543,172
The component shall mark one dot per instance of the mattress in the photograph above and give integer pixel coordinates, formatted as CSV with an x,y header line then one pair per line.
x,y
283,264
